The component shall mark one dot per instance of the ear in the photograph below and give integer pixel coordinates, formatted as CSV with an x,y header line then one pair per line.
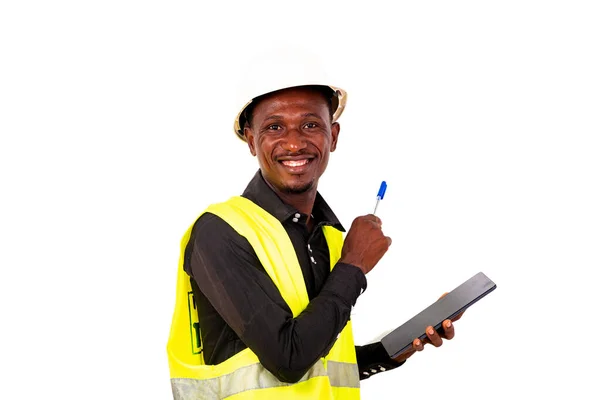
x,y
335,131
250,139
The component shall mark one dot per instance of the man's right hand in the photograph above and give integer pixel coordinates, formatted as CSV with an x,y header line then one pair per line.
x,y
365,243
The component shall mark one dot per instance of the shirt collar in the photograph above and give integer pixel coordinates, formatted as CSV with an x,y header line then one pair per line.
x,y
260,193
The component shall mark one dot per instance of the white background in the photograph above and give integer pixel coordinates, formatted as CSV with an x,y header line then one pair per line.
x,y
483,118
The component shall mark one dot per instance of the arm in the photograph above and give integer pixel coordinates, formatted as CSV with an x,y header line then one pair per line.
x,y
229,274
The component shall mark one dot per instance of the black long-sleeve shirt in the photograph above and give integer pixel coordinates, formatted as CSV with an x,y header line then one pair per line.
x,y
239,306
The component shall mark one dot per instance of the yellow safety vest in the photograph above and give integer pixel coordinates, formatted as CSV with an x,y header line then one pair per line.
x,y
242,376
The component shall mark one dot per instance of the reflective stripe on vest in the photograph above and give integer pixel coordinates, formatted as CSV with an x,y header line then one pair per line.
x,y
242,377
255,377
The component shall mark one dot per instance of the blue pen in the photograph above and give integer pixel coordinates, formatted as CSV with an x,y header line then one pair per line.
x,y
380,195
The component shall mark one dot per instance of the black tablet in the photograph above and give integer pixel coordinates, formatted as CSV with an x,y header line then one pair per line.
x,y
449,306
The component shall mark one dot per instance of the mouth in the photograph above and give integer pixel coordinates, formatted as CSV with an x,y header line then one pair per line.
x,y
297,165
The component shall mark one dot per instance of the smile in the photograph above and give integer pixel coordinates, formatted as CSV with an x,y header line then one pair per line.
x,y
297,163
297,166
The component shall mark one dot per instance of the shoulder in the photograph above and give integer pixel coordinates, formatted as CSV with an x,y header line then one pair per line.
x,y
210,227
213,243
218,228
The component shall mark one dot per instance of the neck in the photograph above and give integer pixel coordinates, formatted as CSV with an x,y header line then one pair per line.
x,y
302,202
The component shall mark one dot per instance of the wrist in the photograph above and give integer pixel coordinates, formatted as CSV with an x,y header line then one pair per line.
x,y
354,263
351,275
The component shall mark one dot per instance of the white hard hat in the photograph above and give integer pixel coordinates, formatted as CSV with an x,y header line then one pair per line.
x,y
283,69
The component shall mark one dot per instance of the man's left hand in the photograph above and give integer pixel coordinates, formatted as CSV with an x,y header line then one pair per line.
x,y
432,337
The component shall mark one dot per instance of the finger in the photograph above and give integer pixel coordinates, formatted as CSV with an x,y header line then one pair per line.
x,y
374,218
418,345
458,317
433,336
448,329
405,355
443,295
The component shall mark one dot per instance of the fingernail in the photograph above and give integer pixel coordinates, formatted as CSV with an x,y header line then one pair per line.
x,y
430,331
449,324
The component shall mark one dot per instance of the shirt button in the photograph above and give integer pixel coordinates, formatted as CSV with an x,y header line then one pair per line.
x,y
295,219
365,373
309,249
381,368
373,371
297,215
313,260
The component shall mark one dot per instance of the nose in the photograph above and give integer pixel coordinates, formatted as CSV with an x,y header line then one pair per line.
x,y
293,141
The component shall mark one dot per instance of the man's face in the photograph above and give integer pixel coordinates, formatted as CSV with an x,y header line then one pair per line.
x,y
292,135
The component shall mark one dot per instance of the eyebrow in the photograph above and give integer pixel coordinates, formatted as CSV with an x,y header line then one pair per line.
x,y
311,115
274,117
279,117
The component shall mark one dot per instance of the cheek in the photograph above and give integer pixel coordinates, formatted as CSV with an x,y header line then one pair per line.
x,y
264,150
324,145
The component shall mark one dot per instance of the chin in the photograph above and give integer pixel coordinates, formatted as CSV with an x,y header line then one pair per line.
x,y
297,188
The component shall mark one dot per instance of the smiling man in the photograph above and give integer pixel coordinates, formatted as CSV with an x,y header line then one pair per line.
x,y
267,281
291,133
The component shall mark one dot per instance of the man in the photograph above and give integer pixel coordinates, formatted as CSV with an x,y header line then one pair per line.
x,y
268,276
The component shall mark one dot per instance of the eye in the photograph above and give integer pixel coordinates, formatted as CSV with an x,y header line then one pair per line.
x,y
273,127
310,125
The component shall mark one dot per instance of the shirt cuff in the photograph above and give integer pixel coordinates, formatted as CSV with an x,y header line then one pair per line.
x,y
373,359
347,282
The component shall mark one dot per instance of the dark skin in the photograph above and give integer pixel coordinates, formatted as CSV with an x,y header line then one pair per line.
x,y
292,135
293,127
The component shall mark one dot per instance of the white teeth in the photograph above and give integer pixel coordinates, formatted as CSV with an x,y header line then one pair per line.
x,y
295,163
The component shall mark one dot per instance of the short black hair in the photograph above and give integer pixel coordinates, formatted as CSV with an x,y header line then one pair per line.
x,y
326,91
